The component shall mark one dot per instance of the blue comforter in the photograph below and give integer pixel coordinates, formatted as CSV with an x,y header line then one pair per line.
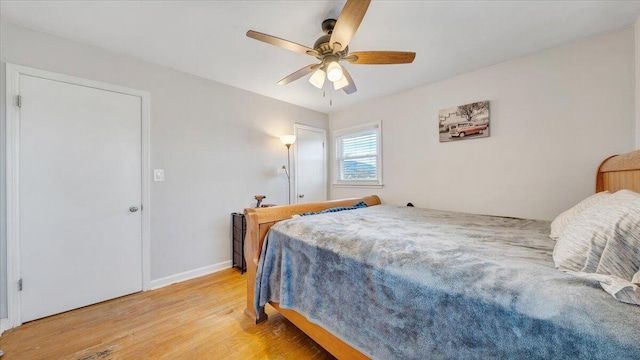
x,y
409,283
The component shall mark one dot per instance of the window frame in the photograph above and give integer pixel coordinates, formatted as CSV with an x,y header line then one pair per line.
x,y
338,158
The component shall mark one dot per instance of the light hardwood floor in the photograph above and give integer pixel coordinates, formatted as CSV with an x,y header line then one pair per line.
x,y
197,319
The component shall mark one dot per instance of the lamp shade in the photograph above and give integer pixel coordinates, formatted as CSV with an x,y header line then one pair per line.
x,y
342,82
317,79
334,71
288,139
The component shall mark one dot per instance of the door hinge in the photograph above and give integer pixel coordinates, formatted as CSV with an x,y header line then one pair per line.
x,y
19,101
20,285
323,144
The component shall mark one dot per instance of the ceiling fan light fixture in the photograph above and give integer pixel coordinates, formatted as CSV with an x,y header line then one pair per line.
x,y
334,71
342,82
333,47
317,79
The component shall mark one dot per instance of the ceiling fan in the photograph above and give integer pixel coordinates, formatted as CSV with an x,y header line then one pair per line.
x,y
333,47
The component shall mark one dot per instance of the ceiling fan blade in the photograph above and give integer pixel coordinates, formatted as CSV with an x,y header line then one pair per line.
x,y
298,74
351,88
348,22
381,57
286,44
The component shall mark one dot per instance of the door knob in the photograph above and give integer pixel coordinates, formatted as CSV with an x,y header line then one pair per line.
x,y
133,209
301,196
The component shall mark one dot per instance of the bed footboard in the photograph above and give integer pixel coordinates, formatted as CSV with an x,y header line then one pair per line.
x,y
260,220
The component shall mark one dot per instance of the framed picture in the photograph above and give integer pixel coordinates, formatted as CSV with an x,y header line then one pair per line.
x,y
470,121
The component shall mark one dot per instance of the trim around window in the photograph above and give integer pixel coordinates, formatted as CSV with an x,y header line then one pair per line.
x,y
358,156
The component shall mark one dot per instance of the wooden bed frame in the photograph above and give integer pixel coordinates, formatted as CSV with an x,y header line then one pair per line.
x,y
615,173
619,172
259,221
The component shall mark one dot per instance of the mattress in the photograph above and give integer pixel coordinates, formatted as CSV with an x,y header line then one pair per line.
x,y
410,283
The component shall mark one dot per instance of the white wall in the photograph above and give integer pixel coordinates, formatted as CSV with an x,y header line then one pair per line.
x,y
555,116
218,146
637,37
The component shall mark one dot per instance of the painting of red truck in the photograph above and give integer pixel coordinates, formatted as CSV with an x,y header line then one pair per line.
x,y
470,121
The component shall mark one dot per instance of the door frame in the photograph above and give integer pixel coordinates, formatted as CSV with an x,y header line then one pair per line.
x,y
12,173
296,128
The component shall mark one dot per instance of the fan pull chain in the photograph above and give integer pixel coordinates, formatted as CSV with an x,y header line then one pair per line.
x,y
324,95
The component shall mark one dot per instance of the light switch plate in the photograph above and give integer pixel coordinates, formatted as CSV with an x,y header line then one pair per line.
x,y
158,174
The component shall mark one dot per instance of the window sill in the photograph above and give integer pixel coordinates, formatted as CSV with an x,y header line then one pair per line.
x,y
364,186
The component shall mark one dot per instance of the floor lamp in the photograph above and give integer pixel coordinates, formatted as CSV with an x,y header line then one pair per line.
x,y
288,140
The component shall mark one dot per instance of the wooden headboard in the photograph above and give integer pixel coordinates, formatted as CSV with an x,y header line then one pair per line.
x,y
619,172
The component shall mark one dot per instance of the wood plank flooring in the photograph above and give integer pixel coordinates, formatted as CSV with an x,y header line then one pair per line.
x,y
197,319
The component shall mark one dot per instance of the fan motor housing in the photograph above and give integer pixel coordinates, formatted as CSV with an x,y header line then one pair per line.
x,y
322,45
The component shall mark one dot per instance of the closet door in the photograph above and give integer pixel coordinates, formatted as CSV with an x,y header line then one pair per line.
x,y
80,195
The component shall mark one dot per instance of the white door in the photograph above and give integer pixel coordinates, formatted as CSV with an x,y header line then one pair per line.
x,y
79,185
310,164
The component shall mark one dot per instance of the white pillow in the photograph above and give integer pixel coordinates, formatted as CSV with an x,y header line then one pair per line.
x,y
603,243
558,225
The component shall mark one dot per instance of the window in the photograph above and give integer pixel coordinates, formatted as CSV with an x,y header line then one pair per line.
x,y
358,156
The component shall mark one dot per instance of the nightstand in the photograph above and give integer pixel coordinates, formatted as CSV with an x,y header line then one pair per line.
x,y
239,230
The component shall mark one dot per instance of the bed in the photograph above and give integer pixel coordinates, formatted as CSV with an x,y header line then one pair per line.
x,y
487,289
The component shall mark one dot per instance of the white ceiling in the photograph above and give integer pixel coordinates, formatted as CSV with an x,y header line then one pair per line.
x,y
207,38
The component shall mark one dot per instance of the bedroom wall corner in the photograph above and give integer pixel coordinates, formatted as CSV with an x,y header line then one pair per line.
x,y
3,189
637,47
555,115
218,145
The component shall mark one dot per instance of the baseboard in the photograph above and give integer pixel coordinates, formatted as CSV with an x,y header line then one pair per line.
x,y
4,325
188,275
